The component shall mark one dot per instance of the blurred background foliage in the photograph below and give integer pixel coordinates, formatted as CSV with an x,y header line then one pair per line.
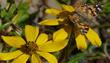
x,y
15,14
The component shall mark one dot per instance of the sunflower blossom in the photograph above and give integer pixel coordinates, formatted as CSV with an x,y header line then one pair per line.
x,y
62,19
61,14
35,46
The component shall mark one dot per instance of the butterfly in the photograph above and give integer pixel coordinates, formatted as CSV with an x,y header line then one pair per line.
x,y
86,12
83,13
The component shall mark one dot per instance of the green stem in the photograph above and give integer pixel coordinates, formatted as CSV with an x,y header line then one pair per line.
x,y
105,49
7,24
102,26
3,26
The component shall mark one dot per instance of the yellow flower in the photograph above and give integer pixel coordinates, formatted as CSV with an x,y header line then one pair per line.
x,y
91,35
64,18
36,45
62,14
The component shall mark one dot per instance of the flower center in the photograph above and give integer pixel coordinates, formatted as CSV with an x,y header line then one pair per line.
x,y
65,14
29,48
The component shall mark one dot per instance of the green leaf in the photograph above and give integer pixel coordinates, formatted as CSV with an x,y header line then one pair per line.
x,y
23,8
12,9
107,7
3,13
67,1
7,15
76,58
90,1
19,18
23,18
1,27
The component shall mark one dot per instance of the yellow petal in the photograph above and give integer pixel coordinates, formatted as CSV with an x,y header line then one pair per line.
x,y
10,55
49,57
31,33
35,59
61,19
42,39
52,22
53,46
52,11
93,37
81,42
14,41
21,59
50,41
68,8
60,35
